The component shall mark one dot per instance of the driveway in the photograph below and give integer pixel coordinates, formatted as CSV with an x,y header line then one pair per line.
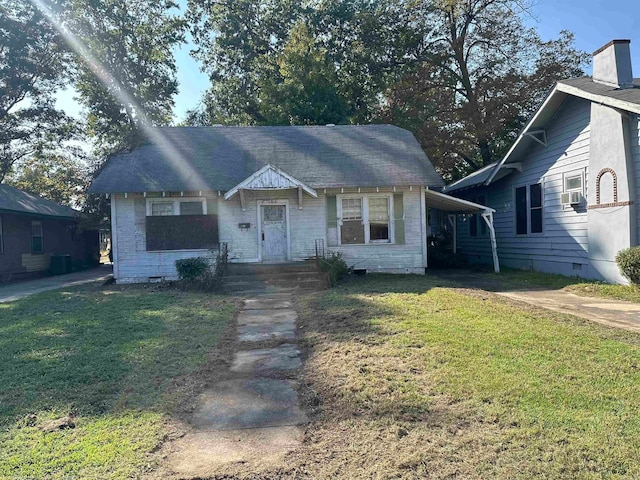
x,y
15,291
613,313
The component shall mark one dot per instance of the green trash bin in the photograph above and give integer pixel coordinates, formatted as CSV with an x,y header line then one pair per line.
x,y
60,264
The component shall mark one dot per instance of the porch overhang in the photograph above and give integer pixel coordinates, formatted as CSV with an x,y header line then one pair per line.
x,y
455,205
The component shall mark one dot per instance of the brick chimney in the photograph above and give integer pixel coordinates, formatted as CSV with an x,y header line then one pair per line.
x,y
612,64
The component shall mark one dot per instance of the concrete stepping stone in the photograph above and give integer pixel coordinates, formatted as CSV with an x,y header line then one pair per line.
x,y
261,333
283,357
267,316
272,301
249,403
202,454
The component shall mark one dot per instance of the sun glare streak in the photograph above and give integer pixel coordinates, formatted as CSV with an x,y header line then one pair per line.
x,y
178,162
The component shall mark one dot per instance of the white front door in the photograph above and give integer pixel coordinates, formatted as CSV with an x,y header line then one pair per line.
x,y
274,233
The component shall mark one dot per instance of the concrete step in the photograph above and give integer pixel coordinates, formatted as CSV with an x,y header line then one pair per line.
x,y
263,268
270,277
257,286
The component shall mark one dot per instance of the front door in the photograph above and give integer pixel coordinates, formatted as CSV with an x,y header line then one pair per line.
x,y
274,233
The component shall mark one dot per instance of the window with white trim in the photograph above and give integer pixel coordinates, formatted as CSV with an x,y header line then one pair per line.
x,y
37,240
365,219
159,207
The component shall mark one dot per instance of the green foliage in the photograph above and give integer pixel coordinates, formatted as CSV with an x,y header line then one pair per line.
x,y
126,75
197,273
59,178
335,266
192,269
34,64
121,361
628,261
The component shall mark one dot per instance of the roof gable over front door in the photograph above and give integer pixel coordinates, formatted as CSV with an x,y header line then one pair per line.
x,y
270,177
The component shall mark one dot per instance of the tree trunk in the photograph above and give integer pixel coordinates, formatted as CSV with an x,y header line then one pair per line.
x,y
485,151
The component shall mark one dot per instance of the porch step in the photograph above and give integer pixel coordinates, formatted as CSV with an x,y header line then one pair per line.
x,y
292,277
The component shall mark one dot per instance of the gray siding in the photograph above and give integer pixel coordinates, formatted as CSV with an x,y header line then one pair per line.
x,y
635,153
562,246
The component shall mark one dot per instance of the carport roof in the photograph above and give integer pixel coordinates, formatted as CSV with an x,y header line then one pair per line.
x,y
448,203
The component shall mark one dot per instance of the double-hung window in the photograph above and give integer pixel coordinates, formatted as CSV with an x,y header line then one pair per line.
x,y
365,219
529,207
167,206
37,243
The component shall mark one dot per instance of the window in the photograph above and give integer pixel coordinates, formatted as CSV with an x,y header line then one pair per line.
x,y
476,219
379,219
37,244
528,206
365,220
573,183
162,207
1,237
180,224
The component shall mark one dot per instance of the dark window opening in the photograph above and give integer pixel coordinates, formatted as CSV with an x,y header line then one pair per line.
x,y
535,194
37,243
352,232
473,226
379,231
521,211
191,208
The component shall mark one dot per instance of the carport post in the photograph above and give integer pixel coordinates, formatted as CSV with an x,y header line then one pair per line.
x,y
488,218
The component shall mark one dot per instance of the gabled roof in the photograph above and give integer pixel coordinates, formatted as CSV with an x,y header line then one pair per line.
x,y
219,158
627,99
13,200
270,178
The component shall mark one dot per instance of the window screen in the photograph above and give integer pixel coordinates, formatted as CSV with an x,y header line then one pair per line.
x,y
573,183
351,209
161,208
521,210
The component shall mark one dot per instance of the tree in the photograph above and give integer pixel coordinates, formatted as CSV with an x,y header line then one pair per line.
x,y
61,178
482,78
126,76
33,65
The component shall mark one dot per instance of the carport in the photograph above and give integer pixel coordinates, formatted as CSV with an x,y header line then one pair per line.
x,y
457,206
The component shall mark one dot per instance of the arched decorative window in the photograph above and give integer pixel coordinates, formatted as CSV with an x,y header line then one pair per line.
x,y
615,184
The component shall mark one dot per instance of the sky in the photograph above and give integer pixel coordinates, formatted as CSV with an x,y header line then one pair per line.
x,y
594,23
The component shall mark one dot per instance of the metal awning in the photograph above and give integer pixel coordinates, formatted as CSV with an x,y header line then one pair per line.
x,y
455,205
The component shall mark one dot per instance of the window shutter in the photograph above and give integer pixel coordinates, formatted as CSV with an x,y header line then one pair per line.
x,y
332,212
398,217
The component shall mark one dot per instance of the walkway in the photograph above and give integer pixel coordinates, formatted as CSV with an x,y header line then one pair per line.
x,y
613,313
252,417
15,291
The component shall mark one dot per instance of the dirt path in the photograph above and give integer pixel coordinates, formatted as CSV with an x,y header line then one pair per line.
x,y
251,418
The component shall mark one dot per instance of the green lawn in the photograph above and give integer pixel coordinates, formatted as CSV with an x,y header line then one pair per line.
x,y
419,380
121,361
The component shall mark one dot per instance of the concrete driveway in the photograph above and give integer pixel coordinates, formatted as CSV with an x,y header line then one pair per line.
x,y
15,291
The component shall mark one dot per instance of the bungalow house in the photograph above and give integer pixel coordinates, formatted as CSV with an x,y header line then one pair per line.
x,y
271,194
32,229
566,193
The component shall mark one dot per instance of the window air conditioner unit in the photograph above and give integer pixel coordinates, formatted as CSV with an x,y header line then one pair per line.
x,y
571,198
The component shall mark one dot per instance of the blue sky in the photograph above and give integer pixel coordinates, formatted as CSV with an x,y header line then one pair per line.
x,y
594,23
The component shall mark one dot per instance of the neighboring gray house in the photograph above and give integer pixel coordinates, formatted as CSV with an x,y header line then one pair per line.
x,y
566,193
271,194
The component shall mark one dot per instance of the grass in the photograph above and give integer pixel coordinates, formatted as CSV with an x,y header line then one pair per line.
x,y
121,361
419,380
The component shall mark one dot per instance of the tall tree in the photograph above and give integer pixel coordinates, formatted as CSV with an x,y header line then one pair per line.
x,y
484,75
127,73
33,66
61,177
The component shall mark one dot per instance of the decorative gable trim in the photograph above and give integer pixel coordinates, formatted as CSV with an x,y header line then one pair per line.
x,y
270,177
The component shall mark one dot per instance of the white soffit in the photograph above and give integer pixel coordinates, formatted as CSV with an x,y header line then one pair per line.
x,y
448,203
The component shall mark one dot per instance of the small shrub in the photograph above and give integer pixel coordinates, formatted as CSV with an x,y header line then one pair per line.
x,y
335,266
628,261
192,269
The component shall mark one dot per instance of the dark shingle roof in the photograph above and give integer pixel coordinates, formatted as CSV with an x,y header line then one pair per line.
x,y
586,88
14,200
218,158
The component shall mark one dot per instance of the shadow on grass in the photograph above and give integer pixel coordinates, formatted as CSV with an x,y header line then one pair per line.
x,y
88,350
